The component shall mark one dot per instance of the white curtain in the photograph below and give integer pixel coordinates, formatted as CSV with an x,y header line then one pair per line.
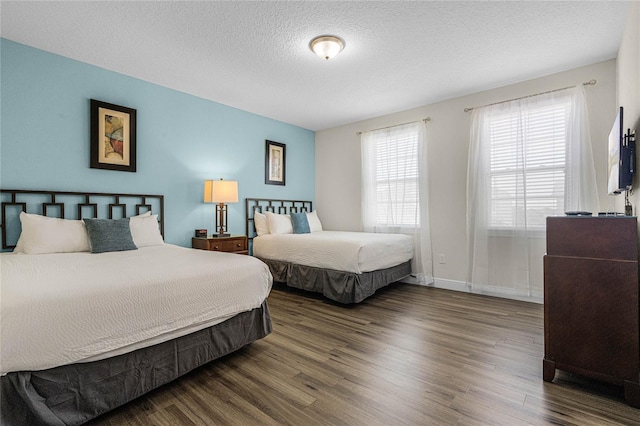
x,y
581,192
528,159
395,190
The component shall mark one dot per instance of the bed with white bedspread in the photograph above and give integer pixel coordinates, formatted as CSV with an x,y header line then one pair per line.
x,y
346,267
89,307
83,333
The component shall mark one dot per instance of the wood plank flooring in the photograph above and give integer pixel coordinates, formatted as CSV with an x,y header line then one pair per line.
x,y
408,355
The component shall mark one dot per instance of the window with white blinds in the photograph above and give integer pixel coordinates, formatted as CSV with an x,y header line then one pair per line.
x,y
396,167
527,165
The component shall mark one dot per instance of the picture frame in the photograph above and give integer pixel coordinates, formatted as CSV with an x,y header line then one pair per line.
x,y
113,137
275,161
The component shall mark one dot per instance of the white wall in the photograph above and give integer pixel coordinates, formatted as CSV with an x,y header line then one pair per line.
x,y
628,87
338,159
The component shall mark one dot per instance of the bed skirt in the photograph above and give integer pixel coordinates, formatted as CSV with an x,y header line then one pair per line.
x,y
76,393
339,286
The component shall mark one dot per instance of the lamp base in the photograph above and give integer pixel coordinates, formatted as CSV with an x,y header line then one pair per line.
x,y
220,235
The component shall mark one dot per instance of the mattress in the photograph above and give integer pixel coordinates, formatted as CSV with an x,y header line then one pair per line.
x,y
93,306
355,252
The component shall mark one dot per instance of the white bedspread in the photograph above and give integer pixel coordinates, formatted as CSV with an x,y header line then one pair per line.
x,y
342,251
57,309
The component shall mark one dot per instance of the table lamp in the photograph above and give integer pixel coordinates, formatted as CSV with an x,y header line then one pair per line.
x,y
221,192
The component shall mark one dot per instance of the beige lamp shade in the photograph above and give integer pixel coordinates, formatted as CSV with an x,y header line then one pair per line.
x,y
220,191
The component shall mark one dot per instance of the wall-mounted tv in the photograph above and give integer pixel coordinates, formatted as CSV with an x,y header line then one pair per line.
x,y
621,157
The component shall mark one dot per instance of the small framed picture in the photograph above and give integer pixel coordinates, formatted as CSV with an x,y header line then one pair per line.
x,y
275,163
113,137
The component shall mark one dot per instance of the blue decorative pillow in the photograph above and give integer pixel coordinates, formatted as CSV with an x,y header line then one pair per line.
x,y
300,223
109,235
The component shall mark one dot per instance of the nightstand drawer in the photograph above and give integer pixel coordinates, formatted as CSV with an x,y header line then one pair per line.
x,y
234,244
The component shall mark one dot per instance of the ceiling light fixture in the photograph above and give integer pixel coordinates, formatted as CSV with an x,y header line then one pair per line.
x,y
326,46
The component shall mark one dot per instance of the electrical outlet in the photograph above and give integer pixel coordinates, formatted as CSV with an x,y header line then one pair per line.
x,y
442,259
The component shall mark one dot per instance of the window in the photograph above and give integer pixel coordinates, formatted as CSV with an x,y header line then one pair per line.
x,y
527,164
395,198
393,172
529,158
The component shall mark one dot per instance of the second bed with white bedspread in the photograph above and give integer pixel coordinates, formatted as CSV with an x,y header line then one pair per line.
x,y
355,252
346,267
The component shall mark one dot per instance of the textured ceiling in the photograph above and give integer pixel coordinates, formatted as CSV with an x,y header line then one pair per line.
x,y
255,56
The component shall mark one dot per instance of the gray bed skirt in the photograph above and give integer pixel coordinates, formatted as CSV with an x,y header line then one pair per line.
x,y
76,393
340,286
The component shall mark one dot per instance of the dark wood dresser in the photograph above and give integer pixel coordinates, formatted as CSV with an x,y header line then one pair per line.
x,y
591,322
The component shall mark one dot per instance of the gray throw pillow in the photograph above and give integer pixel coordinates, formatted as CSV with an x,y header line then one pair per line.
x,y
109,235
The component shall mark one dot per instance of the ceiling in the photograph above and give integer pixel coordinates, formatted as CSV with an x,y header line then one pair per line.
x,y
255,55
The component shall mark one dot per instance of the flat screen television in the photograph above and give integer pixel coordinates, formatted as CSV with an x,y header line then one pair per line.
x,y
621,157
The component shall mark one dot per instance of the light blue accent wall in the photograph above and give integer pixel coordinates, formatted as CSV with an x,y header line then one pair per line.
x,y
182,140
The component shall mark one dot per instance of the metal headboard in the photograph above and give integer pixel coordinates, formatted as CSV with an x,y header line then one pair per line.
x,y
47,203
263,205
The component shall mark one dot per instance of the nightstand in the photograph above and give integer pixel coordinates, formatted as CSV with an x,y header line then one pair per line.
x,y
233,244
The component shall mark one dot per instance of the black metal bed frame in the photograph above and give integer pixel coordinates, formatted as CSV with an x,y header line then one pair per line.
x,y
23,197
262,205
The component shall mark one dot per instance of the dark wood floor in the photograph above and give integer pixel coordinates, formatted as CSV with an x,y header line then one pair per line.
x,y
409,355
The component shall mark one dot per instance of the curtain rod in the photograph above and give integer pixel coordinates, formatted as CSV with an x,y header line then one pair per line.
x,y
395,125
591,82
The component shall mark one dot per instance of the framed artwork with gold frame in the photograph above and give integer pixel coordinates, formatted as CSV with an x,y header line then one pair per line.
x,y
113,137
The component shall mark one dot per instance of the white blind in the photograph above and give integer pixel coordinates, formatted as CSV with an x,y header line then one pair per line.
x,y
397,201
527,165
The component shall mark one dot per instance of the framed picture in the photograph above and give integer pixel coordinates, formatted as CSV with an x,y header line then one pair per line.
x,y
113,137
275,163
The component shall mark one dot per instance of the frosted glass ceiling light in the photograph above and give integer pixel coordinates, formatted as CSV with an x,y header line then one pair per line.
x,y
326,46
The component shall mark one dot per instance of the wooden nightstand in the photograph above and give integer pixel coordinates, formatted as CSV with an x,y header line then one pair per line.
x,y
233,244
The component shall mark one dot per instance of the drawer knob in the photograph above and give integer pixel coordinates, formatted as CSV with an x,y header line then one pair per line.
x,y
216,248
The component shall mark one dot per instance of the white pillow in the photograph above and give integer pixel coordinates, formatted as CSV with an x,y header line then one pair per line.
x,y
145,231
314,222
279,223
261,223
42,235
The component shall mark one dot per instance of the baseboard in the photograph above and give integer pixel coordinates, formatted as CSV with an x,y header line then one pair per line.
x,y
464,287
451,285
